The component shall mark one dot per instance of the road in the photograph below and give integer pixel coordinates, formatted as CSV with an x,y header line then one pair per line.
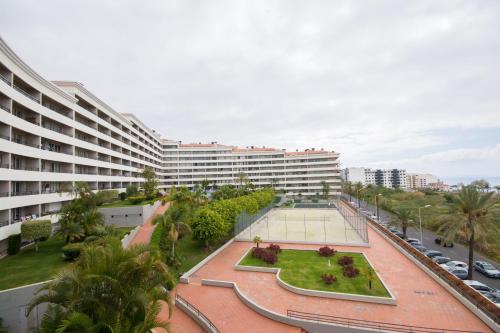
x,y
457,252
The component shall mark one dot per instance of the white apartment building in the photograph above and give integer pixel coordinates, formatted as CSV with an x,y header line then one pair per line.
x,y
53,134
390,178
292,172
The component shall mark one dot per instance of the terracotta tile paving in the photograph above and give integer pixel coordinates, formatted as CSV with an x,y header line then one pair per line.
x,y
227,312
145,232
420,300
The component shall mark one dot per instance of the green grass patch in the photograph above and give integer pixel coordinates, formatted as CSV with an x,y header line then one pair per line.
x,y
303,269
126,203
29,267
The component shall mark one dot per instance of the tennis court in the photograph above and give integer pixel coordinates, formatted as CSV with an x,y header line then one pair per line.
x,y
314,225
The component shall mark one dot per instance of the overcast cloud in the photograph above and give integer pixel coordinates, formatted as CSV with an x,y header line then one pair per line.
x,y
410,84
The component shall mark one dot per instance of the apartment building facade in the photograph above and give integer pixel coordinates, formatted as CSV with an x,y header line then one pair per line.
x,y
53,134
390,178
289,172
425,180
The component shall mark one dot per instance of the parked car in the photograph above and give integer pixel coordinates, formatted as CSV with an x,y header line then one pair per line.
x,y
373,217
398,233
393,229
482,288
440,241
458,272
492,297
433,253
420,247
441,260
487,269
413,241
455,263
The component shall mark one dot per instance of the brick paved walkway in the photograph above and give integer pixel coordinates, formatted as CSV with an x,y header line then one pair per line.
x,y
145,232
421,301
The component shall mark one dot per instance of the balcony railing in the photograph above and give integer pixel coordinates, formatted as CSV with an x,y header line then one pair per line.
x,y
4,79
25,117
24,142
45,147
3,107
4,194
57,171
55,129
5,137
3,223
27,192
57,109
25,93
25,168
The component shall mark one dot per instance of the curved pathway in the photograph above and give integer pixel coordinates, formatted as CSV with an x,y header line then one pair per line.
x,y
421,301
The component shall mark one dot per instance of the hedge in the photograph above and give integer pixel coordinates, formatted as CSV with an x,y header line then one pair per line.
x,y
72,251
14,244
36,230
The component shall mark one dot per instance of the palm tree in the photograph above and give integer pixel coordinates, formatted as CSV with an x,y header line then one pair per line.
x,y
241,177
473,222
109,289
71,231
175,221
404,217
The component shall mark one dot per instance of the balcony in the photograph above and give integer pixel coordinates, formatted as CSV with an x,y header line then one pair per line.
x,y
55,106
57,127
25,138
25,192
26,89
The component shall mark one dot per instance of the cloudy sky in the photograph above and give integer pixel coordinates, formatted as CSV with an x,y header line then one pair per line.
x,y
410,84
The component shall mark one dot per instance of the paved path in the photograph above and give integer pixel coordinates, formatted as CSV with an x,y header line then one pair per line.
x,y
145,232
180,322
421,301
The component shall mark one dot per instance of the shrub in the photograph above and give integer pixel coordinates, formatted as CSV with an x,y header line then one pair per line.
x,y
326,251
122,196
266,255
345,261
350,271
208,226
274,248
132,190
105,196
258,252
328,278
72,251
136,199
269,257
14,244
36,230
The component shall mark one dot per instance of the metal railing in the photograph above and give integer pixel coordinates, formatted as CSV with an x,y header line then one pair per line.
x,y
25,142
20,193
25,93
373,325
179,298
3,107
4,79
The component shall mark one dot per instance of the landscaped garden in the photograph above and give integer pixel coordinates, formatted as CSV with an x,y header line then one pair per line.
x,y
29,266
324,270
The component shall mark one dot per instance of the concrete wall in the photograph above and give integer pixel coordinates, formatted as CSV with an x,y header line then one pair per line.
x,y
128,216
13,304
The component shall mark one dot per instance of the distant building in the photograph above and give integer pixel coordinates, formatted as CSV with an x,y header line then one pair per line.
x,y
425,180
390,178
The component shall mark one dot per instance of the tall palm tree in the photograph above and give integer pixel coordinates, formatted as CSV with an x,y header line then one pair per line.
x,y
109,289
403,217
473,221
242,178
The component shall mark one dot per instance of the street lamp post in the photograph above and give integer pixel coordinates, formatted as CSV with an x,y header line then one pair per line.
x,y
376,204
420,221
359,200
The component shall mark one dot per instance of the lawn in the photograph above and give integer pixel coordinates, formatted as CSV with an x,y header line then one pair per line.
x,y
126,203
29,266
188,250
303,269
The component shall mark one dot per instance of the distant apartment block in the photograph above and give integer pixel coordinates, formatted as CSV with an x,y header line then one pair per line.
x,y
425,180
53,134
390,178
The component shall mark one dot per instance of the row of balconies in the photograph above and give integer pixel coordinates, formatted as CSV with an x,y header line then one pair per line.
x,y
25,89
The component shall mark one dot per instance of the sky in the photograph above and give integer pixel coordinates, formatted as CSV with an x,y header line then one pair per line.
x,y
387,84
